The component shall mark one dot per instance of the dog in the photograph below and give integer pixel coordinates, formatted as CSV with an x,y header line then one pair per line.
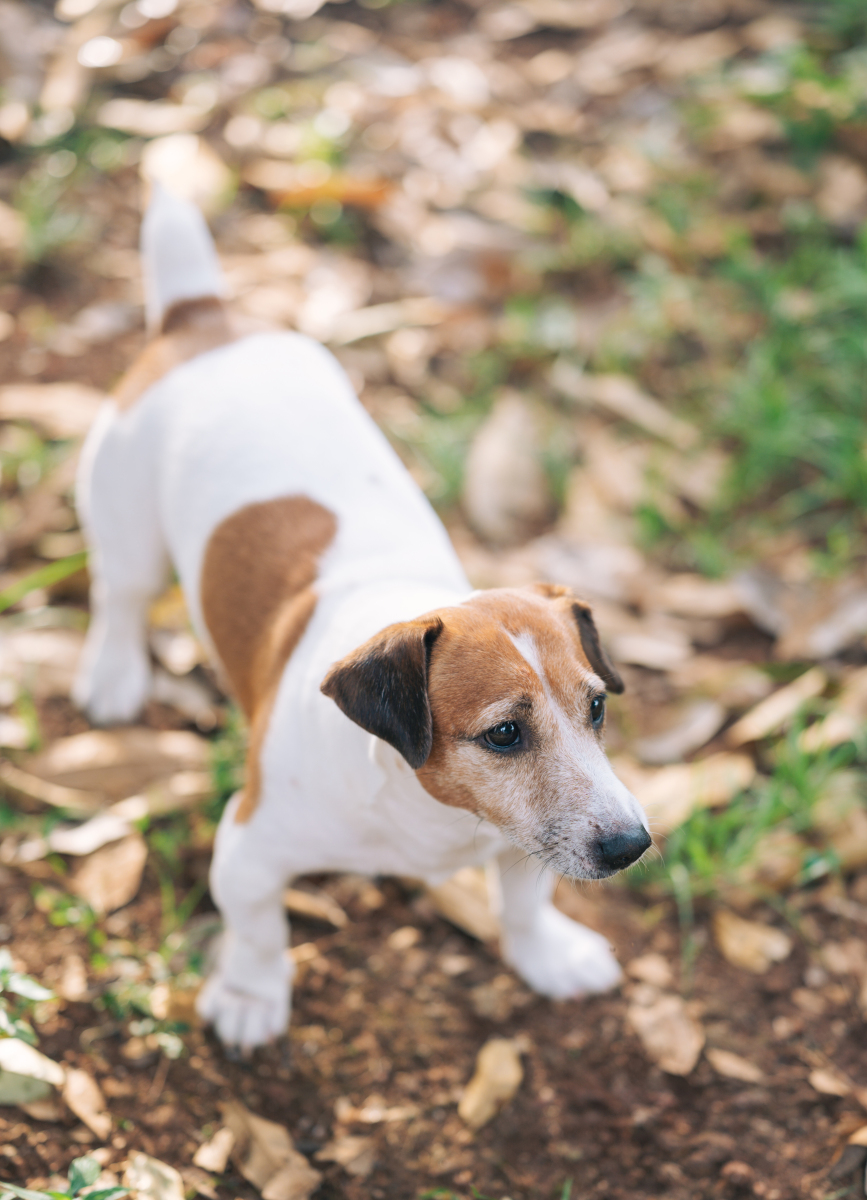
x,y
399,721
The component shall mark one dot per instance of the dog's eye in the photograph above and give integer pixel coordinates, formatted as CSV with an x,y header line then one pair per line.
x,y
597,711
503,735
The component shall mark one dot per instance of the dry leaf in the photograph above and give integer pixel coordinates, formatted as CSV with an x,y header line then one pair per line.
x,y
368,322
506,495
697,725
840,815
497,1077
464,900
267,1158
670,1036
694,596
25,1074
356,1155
777,710
318,905
859,1137
42,660
374,1111
750,945
82,1095
118,763
829,1083
213,1155
670,794
151,118
692,55
651,968
846,719
110,878
62,410
622,396
150,1179
733,1066
73,980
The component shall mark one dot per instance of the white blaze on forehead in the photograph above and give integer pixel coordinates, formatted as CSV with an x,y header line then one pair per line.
x,y
526,646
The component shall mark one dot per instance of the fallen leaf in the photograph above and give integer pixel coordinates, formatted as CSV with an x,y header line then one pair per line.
x,y
622,396
356,1155
377,319
694,596
749,945
829,1083
42,660
497,1000
733,1066
374,1111
842,195
846,719
62,410
110,878
671,794
45,1110
214,1154
82,1095
651,968
266,1156
506,495
840,815
53,794
697,725
151,118
464,900
671,1037
692,55
149,1179
778,709
318,905
859,1137
117,763
496,1079
73,979
26,1075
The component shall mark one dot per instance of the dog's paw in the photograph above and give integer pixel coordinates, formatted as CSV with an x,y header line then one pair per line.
x,y
241,1019
559,958
113,684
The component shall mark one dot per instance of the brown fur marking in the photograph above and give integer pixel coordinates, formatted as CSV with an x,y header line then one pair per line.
x,y
190,328
257,598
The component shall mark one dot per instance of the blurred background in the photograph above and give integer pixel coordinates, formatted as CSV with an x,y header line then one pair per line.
x,y
598,268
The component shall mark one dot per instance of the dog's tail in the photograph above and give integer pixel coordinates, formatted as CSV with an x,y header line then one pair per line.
x,y
179,258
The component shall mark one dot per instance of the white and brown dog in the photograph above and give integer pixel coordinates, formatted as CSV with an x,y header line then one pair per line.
x,y
400,723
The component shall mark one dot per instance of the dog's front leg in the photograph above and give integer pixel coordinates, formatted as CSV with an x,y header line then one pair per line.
x,y
247,998
553,954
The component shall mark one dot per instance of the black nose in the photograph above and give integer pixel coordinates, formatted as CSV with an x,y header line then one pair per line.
x,y
621,849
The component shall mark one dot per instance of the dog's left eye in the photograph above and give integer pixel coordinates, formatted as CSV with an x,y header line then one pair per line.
x,y
597,711
503,735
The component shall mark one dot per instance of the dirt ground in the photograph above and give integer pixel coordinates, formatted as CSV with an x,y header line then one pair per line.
x,y
399,1029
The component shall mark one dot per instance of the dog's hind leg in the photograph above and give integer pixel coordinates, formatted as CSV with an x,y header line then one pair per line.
x,y
554,954
247,997
117,504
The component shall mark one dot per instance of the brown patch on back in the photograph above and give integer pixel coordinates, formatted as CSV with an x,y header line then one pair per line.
x,y
257,598
190,328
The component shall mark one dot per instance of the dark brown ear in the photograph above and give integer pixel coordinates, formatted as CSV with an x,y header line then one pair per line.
x,y
596,656
382,686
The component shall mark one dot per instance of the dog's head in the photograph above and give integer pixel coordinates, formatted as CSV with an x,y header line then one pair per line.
x,y
499,705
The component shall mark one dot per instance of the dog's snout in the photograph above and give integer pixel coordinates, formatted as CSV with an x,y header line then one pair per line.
x,y
622,849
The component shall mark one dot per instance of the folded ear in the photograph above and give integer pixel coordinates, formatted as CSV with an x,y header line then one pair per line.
x,y
587,631
596,656
382,686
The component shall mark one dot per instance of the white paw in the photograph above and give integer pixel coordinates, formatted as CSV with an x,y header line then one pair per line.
x,y
559,958
113,683
243,1019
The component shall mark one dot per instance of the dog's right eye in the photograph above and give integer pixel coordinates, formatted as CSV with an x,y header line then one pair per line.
x,y
504,735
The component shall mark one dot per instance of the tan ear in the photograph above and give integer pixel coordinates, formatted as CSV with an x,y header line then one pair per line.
x,y
587,631
382,686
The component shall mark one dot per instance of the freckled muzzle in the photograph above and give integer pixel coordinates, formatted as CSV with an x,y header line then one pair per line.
x,y
622,849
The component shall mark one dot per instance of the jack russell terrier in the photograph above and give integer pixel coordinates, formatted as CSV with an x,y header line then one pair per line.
x,y
399,722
